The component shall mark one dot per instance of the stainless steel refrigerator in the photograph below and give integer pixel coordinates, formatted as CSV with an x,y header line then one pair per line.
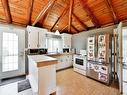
x,y
99,59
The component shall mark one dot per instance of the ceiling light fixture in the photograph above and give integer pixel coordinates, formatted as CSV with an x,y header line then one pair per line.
x,y
57,31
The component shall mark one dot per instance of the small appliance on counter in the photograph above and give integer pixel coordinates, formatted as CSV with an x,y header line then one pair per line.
x,y
66,50
80,62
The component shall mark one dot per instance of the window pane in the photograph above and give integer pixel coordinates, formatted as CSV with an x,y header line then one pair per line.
x,y
10,52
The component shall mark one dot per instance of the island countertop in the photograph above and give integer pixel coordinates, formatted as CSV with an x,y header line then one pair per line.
x,y
43,60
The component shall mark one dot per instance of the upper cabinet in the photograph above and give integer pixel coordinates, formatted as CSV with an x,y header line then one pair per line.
x,y
36,37
33,39
42,40
66,40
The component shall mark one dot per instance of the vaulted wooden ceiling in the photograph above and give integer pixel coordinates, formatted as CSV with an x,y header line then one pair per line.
x,y
71,16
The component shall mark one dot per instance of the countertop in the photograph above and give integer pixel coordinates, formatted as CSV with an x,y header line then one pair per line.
x,y
58,54
42,60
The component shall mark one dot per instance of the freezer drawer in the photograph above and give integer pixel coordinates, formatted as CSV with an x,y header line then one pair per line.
x,y
99,72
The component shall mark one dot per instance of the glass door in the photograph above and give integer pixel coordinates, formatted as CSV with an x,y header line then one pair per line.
x,y
12,57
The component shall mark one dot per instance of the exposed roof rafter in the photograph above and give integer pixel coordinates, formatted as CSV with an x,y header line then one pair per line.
x,y
63,13
110,7
70,15
75,28
30,11
44,11
7,10
90,13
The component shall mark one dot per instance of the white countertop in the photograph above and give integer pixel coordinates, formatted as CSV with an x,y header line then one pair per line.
x,y
42,60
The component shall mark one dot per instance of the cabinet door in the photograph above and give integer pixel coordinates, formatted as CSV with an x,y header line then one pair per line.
x,y
69,62
66,41
69,41
33,40
42,40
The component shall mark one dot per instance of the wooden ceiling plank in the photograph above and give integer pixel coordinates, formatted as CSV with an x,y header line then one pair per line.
x,y
2,20
44,11
75,28
89,13
70,15
110,7
30,11
78,19
63,28
7,10
61,16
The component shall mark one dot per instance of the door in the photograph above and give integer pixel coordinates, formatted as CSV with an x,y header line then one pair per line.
x,y
120,56
12,57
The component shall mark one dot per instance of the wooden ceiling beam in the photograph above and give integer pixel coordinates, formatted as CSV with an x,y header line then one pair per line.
x,y
110,7
61,16
30,11
89,13
70,15
75,28
44,11
81,23
7,10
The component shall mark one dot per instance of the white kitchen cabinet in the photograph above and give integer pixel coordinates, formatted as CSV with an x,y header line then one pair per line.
x,y
33,39
66,40
36,37
42,40
65,61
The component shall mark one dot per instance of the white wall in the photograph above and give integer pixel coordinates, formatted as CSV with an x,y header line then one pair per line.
x,y
79,41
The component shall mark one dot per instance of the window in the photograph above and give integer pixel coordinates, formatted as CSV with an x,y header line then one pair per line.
x,y
54,45
9,52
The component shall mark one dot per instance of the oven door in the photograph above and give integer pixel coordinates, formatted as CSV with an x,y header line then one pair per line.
x,y
79,63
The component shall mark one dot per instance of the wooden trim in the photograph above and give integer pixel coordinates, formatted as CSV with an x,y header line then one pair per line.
x,y
70,15
112,11
44,11
89,13
81,23
63,13
30,11
75,28
7,10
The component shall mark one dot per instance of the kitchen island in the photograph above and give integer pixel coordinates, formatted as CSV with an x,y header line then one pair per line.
x,y
42,74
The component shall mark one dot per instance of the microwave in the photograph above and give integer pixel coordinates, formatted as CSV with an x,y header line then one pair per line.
x,y
66,50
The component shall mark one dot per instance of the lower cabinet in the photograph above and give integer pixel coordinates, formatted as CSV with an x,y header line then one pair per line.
x,y
64,61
